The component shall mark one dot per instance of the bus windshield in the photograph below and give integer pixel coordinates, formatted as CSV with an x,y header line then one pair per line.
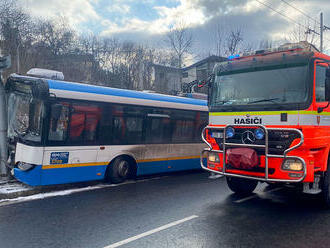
x,y
261,86
24,117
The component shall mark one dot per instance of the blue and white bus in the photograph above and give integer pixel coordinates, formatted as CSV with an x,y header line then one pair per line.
x,y
63,132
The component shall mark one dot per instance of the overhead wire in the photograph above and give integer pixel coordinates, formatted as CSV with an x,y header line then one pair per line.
x,y
289,18
300,11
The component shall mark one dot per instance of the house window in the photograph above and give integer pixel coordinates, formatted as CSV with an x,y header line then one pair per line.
x,y
185,74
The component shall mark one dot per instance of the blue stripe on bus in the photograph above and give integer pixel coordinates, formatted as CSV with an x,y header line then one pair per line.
x,y
31,177
77,87
147,168
37,176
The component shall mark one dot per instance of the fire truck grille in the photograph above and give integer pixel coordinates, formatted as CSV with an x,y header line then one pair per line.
x,y
278,141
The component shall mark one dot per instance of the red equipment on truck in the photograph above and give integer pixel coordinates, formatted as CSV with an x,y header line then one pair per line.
x,y
269,119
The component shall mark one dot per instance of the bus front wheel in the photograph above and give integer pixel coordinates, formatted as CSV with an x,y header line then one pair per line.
x,y
119,170
241,186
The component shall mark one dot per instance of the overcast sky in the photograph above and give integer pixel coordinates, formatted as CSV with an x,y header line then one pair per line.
x,y
148,20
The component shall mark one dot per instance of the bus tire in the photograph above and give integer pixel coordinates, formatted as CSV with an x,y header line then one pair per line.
x,y
326,186
119,170
241,186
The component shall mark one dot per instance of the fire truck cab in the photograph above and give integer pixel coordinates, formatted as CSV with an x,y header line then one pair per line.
x,y
269,119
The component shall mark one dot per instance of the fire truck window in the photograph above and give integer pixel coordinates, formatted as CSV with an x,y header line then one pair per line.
x,y
320,77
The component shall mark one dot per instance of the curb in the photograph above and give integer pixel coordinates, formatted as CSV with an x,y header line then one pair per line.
x,y
14,189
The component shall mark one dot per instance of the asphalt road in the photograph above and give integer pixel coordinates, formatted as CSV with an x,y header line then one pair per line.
x,y
184,210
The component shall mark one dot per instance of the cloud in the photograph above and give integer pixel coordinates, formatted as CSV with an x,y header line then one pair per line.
x,y
75,11
149,20
119,8
186,12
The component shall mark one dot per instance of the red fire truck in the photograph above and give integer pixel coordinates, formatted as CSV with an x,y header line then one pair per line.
x,y
269,119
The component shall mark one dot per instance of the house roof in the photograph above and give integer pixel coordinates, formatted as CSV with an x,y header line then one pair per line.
x,y
212,58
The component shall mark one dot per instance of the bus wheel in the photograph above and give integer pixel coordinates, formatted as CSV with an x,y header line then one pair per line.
x,y
119,170
241,186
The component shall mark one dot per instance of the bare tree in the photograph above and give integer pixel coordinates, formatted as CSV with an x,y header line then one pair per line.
x,y
219,38
234,40
56,35
304,33
180,41
264,44
15,35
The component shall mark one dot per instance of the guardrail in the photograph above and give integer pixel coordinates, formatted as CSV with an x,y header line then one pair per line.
x,y
265,146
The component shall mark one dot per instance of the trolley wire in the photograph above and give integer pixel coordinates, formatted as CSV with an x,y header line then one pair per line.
x,y
289,18
300,11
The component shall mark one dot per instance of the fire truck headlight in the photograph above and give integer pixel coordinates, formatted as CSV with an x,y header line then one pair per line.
x,y
230,132
259,133
292,164
217,135
213,157
24,166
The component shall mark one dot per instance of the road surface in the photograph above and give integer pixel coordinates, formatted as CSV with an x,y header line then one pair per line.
x,y
183,210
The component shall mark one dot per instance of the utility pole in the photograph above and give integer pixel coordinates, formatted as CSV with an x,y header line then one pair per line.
x,y
321,32
322,29
18,58
4,63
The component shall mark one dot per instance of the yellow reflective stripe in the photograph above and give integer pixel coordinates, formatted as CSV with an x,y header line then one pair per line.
x,y
313,113
55,166
165,159
303,112
253,113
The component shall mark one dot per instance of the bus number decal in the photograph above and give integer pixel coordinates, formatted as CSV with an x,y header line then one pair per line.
x,y
59,157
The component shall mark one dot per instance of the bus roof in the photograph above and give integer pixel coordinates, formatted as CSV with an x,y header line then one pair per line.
x,y
73,90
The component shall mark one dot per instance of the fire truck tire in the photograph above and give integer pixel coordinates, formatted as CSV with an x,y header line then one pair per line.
x,y
118,171
326,186
241,186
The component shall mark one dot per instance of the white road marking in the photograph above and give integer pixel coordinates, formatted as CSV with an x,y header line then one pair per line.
x,y
256,195
10,201
125,241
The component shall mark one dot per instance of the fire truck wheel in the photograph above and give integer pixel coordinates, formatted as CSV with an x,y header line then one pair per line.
x,y
241,186
118,171
326,186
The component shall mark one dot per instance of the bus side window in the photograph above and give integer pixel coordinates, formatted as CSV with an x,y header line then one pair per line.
x,y
320,78
158,129
58,122
201,122
183,126
85,119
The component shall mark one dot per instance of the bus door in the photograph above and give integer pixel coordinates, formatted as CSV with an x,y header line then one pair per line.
x,y
157,140
186,144
72,137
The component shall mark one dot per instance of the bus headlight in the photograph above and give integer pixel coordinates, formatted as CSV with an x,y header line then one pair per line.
x,y
213,157
24,166
292,164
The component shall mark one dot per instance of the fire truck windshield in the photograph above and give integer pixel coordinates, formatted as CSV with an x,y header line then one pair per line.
x,y
271,86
